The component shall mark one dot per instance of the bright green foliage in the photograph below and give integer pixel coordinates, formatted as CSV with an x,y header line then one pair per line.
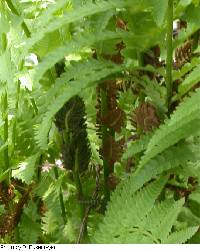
x,y
190,81
30,221
92,152
150,225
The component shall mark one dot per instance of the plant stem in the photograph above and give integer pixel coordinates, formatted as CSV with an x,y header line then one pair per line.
x,y
16,110
105,135
195,42
4,41
79,192
169,44
5,118
5,111
62,205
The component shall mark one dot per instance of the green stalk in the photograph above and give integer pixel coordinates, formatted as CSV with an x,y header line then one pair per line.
x,y
105,134
5,118
169,45
195,42
16,110
140,56
78,183
5,113
4,41
62,205
79,192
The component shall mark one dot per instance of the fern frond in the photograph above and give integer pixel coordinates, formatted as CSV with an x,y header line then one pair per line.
x,y
75,15
49,13
30,217
152,225
184,122
26,169
190,81
166,223
170,158
137,146
73,46
181,236
70,90
115,227
75,71
188,67
6,69
123,200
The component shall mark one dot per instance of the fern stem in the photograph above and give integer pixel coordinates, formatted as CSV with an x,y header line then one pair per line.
x,y
79,191
5,111
195,42
5,118
16,12
62,205
169,44
16,111
105,135
140,56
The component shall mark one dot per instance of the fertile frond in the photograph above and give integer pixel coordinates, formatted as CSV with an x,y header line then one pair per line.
x,y
70,121
71,89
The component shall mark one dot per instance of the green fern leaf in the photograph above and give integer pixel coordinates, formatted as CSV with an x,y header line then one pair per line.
x,y
136,146
153,220
75,15
170,158
6,69
30,217
49,14
190,81
73,46
26,170
75,71
181,236
159,10
184,122
116,228
188,67
124,199
166,222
